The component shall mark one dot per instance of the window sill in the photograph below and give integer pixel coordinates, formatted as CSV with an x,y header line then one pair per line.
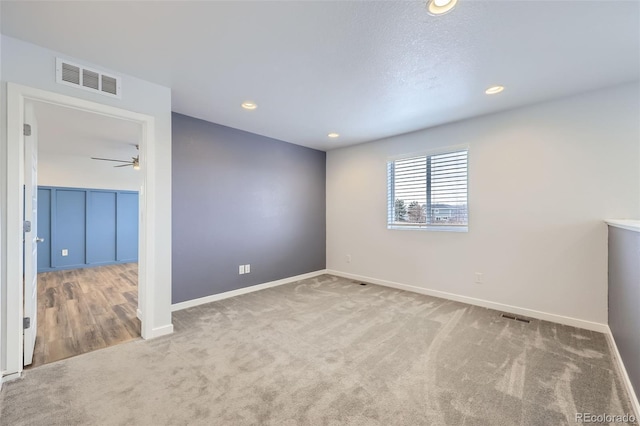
x,y
436,228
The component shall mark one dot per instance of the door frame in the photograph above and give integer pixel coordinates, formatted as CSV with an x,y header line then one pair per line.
x,y
30,239
17,95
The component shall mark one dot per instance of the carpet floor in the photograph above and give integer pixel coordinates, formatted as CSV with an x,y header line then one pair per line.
x,y
327,351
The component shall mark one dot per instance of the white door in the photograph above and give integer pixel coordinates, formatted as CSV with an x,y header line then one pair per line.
x,y
31,239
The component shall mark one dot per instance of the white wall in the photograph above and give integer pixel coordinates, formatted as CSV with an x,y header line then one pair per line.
x,y
31,65
82,172
541,181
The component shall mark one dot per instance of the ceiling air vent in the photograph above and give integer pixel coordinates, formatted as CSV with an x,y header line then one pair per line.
x,y
90,79
71,74
109,85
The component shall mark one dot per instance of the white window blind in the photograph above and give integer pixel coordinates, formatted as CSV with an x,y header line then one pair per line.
x,y
428,191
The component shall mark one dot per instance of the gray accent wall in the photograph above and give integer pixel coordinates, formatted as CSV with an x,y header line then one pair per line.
x,y
240,198
624,298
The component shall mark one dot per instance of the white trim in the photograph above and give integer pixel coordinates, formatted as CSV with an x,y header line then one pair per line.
x,y
399,226
631,225
14,163
623,372
245,290
161,331
575,322
8,378
147,228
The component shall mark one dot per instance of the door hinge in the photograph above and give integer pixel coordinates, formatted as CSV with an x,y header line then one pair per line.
x,y
26,129
26,323
26,227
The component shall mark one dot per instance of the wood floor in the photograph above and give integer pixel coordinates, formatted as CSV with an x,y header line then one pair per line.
x,y
83,310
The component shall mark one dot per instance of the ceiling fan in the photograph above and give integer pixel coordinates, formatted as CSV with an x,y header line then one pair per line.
x,y
135,161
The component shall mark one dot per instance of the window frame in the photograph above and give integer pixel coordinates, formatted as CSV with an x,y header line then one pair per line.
x,y
426,226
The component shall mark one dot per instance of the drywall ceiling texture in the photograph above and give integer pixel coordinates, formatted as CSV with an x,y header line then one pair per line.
x,y
68,138
364,69
541,181
238,199
34,66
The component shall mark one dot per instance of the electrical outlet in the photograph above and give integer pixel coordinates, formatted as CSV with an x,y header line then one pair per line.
x,y
348,258
479,277
65,252
241,270
247,269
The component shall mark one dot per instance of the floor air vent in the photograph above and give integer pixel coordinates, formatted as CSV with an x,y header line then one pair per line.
x,y
515,318
363,283
75,75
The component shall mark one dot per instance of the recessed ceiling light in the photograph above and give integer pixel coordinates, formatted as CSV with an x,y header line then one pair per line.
x,y
333,135
249,105
493,90
440,7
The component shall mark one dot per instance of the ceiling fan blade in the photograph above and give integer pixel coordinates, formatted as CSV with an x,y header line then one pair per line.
x,y
124,165
110,159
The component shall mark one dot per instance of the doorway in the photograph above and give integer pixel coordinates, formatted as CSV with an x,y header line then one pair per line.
x,y
84,222
17,97
83,310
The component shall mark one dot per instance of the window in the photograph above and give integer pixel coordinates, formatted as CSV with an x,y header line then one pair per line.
x,y
428,192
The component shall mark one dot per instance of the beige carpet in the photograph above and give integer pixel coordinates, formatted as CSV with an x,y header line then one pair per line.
x,y
327,351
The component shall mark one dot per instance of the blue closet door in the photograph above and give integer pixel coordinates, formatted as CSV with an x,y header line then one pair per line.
x,y
101,227
70,228
127,236
44,229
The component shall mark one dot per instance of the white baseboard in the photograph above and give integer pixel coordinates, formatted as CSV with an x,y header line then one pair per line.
x,y
588,325
238,292
161,331
10,377
623,372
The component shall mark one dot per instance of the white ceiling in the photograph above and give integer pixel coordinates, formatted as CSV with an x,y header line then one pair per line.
x,y
76,133
364,69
